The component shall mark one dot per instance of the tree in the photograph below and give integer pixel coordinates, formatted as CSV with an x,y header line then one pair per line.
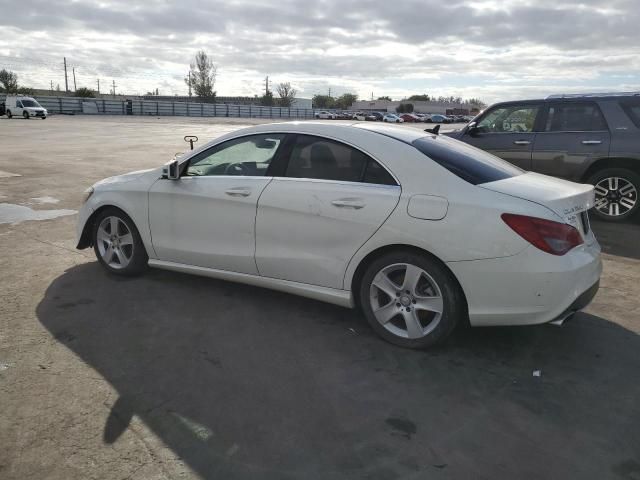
x,y
419,98
386,97
476,102
9,81
344,101
267,99
323,101
84,92
25,91
286,93
202,76
405,108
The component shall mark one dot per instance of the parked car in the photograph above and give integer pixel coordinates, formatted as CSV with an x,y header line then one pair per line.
x,y
409,117
392,118
423,116
2,108
375,116
589,138
21,106
344,116
437,118
419,231
360,116
325,115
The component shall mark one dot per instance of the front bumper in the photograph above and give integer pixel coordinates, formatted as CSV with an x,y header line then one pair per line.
x,y
529,288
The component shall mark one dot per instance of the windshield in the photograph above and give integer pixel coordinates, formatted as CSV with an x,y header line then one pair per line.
x,y
469,163
29,103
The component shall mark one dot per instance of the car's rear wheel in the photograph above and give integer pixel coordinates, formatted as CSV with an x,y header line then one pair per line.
x,y
9,114
616,192
117,243
411,300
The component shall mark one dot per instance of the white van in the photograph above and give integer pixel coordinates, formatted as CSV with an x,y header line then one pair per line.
x,y
27,107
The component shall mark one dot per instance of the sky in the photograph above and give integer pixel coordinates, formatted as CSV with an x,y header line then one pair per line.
x,y
491,49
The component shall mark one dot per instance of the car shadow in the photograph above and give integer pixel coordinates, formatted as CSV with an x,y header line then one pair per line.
x,y
621,239
243,382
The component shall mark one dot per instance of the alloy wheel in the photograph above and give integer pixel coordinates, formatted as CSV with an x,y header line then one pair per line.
x,y
615,196
115,242
406,300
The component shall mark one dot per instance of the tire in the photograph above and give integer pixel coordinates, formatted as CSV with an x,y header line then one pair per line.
x,y
127,259
44,117
405,319
9,114
25,115
617,194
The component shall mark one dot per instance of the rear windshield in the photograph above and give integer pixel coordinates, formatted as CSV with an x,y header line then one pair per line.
x,y
632,108
469,163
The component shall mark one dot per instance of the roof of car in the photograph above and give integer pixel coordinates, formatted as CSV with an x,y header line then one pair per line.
x,y
404,134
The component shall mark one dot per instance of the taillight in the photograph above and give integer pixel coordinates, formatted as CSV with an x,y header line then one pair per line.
x,y
552,237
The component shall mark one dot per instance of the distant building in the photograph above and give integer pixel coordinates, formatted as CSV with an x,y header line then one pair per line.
x,y
444,108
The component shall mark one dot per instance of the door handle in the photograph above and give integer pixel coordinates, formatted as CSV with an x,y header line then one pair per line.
x,y
348,203
591,142
238,192
522,142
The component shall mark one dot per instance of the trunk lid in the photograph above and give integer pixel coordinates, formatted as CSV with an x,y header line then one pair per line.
x,y
567,199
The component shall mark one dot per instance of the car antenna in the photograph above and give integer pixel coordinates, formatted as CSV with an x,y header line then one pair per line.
x,y
191,139
433,130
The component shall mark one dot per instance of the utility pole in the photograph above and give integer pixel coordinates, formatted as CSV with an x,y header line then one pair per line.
x,y
189,83
266,87
114,88
329,91
51,87
66,81
73,69
98,86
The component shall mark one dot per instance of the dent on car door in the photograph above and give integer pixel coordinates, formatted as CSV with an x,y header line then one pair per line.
x,y
330,200
571,136
508,132
207,217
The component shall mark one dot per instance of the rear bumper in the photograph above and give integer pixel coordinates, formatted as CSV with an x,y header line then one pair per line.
x,y
531,287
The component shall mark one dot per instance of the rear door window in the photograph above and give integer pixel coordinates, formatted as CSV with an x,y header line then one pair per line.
x,y
575,117
325,159
632,109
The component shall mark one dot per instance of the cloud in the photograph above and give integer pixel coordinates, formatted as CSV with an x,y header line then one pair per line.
x,y
489,48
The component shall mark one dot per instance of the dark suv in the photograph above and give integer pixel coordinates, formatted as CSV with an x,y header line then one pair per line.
x,y
589,138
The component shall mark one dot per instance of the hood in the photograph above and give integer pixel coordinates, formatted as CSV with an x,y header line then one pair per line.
x,y
566,199
127,177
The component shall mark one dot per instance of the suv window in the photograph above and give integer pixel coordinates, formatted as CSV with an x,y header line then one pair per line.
x,y
509,119
632,109
18,104
248,156
467,162
575,117
324,159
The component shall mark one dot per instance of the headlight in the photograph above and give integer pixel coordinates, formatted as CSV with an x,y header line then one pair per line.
x,y
87,194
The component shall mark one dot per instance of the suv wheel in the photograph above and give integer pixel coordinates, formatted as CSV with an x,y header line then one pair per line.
x,y
411,300
25,115
9,114
616,192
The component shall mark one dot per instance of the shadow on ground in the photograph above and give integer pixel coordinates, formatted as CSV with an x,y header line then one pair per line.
x,y
621,239
243,382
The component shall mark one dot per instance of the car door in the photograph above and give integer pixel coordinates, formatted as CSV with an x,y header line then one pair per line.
x,y
207,217
329,200
507,131
17,111
572,134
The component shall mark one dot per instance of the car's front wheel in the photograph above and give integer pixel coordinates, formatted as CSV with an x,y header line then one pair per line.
x,y
117,243
411,300
25,115
616,191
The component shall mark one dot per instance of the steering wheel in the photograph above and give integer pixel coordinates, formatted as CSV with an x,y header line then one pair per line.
x,y
236,169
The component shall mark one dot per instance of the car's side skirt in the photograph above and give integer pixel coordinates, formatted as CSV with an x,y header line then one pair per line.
x,y
342,298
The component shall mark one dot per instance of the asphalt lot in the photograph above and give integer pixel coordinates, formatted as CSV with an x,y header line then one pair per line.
x,y
172,376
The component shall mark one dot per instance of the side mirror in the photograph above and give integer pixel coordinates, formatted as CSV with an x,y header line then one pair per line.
x,y
171,170
472,129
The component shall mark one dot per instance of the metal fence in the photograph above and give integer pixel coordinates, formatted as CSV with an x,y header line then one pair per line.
x,y
101,106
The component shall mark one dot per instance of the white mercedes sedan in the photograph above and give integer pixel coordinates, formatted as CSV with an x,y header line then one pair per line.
x,y
419,231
